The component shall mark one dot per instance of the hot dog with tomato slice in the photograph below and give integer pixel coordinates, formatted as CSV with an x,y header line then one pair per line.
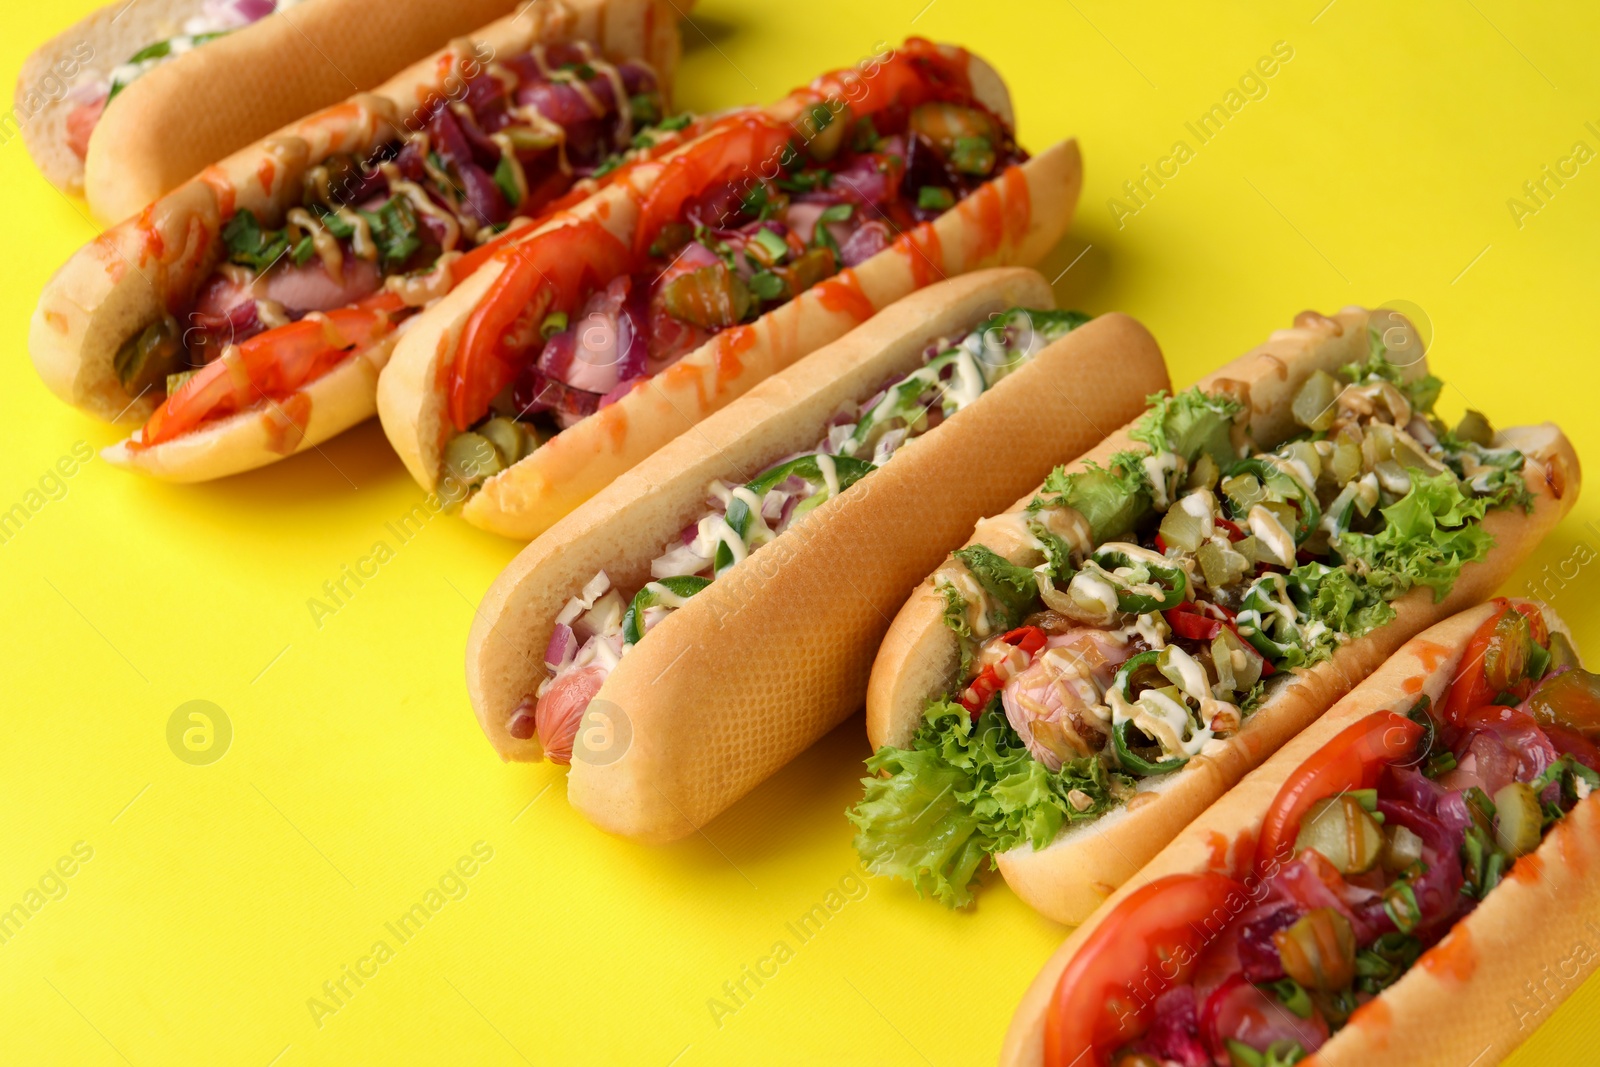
x,y
711,613
1374,894
1160,615
575,353
244,316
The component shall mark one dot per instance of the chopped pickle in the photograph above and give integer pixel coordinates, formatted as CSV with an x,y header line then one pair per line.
x,y
175,381
1403,848
1562,654
1570,699
1204,473
1318,951
1340,828
509,438
1305,452
470,458
711,297
1316,404
1505,660
1518,819
1474,427
829,130
1377,445
1221,564
149,356
1244,491
808,269
1393,477
1242,663
1181,530
1347,458
944,125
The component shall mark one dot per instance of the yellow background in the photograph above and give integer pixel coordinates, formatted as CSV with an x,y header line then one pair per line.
x,y
220,898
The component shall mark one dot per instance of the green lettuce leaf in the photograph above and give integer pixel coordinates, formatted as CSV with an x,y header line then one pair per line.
x,y
1428,536
1012,588
955,617
1114,499
1190,423
931,813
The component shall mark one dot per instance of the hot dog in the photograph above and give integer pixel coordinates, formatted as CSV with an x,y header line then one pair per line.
x,y
246,314
137,98
1384,890
575,354
1158,617
713,612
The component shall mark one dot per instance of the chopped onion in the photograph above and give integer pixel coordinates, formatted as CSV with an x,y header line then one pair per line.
x,y
680,561
562,645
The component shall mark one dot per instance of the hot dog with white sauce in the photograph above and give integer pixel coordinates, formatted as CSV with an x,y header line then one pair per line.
x,y
1104,660
714,611
135,99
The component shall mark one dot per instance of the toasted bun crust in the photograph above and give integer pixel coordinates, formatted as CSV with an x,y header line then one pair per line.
x,y
153,263
80,55
1069,878
210,102
1450,1008
714,700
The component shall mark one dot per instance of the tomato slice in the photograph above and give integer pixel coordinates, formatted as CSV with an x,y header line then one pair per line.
x,y
550,271
756,142
1470,687
270,366
1149,944
919,71
1352,760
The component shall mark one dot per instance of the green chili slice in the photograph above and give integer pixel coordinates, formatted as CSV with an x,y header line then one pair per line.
x,y
648,597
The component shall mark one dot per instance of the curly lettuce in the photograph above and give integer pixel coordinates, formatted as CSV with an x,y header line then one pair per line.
x,y
1114,499
962,791
1012,588
1190,423
1428,535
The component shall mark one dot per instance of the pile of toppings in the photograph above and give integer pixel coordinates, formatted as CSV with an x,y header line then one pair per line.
x,y
217,18
1165,593
522,133
597,627
1370,854
748,218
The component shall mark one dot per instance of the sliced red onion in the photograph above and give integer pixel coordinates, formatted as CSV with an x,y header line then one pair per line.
x,y
788,513
561,647
873,237
679,561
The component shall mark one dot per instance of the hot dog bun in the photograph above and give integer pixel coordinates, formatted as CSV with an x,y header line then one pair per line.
x,y
1450,1008
134,272
210,102
1069,878
1015,218
775,653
